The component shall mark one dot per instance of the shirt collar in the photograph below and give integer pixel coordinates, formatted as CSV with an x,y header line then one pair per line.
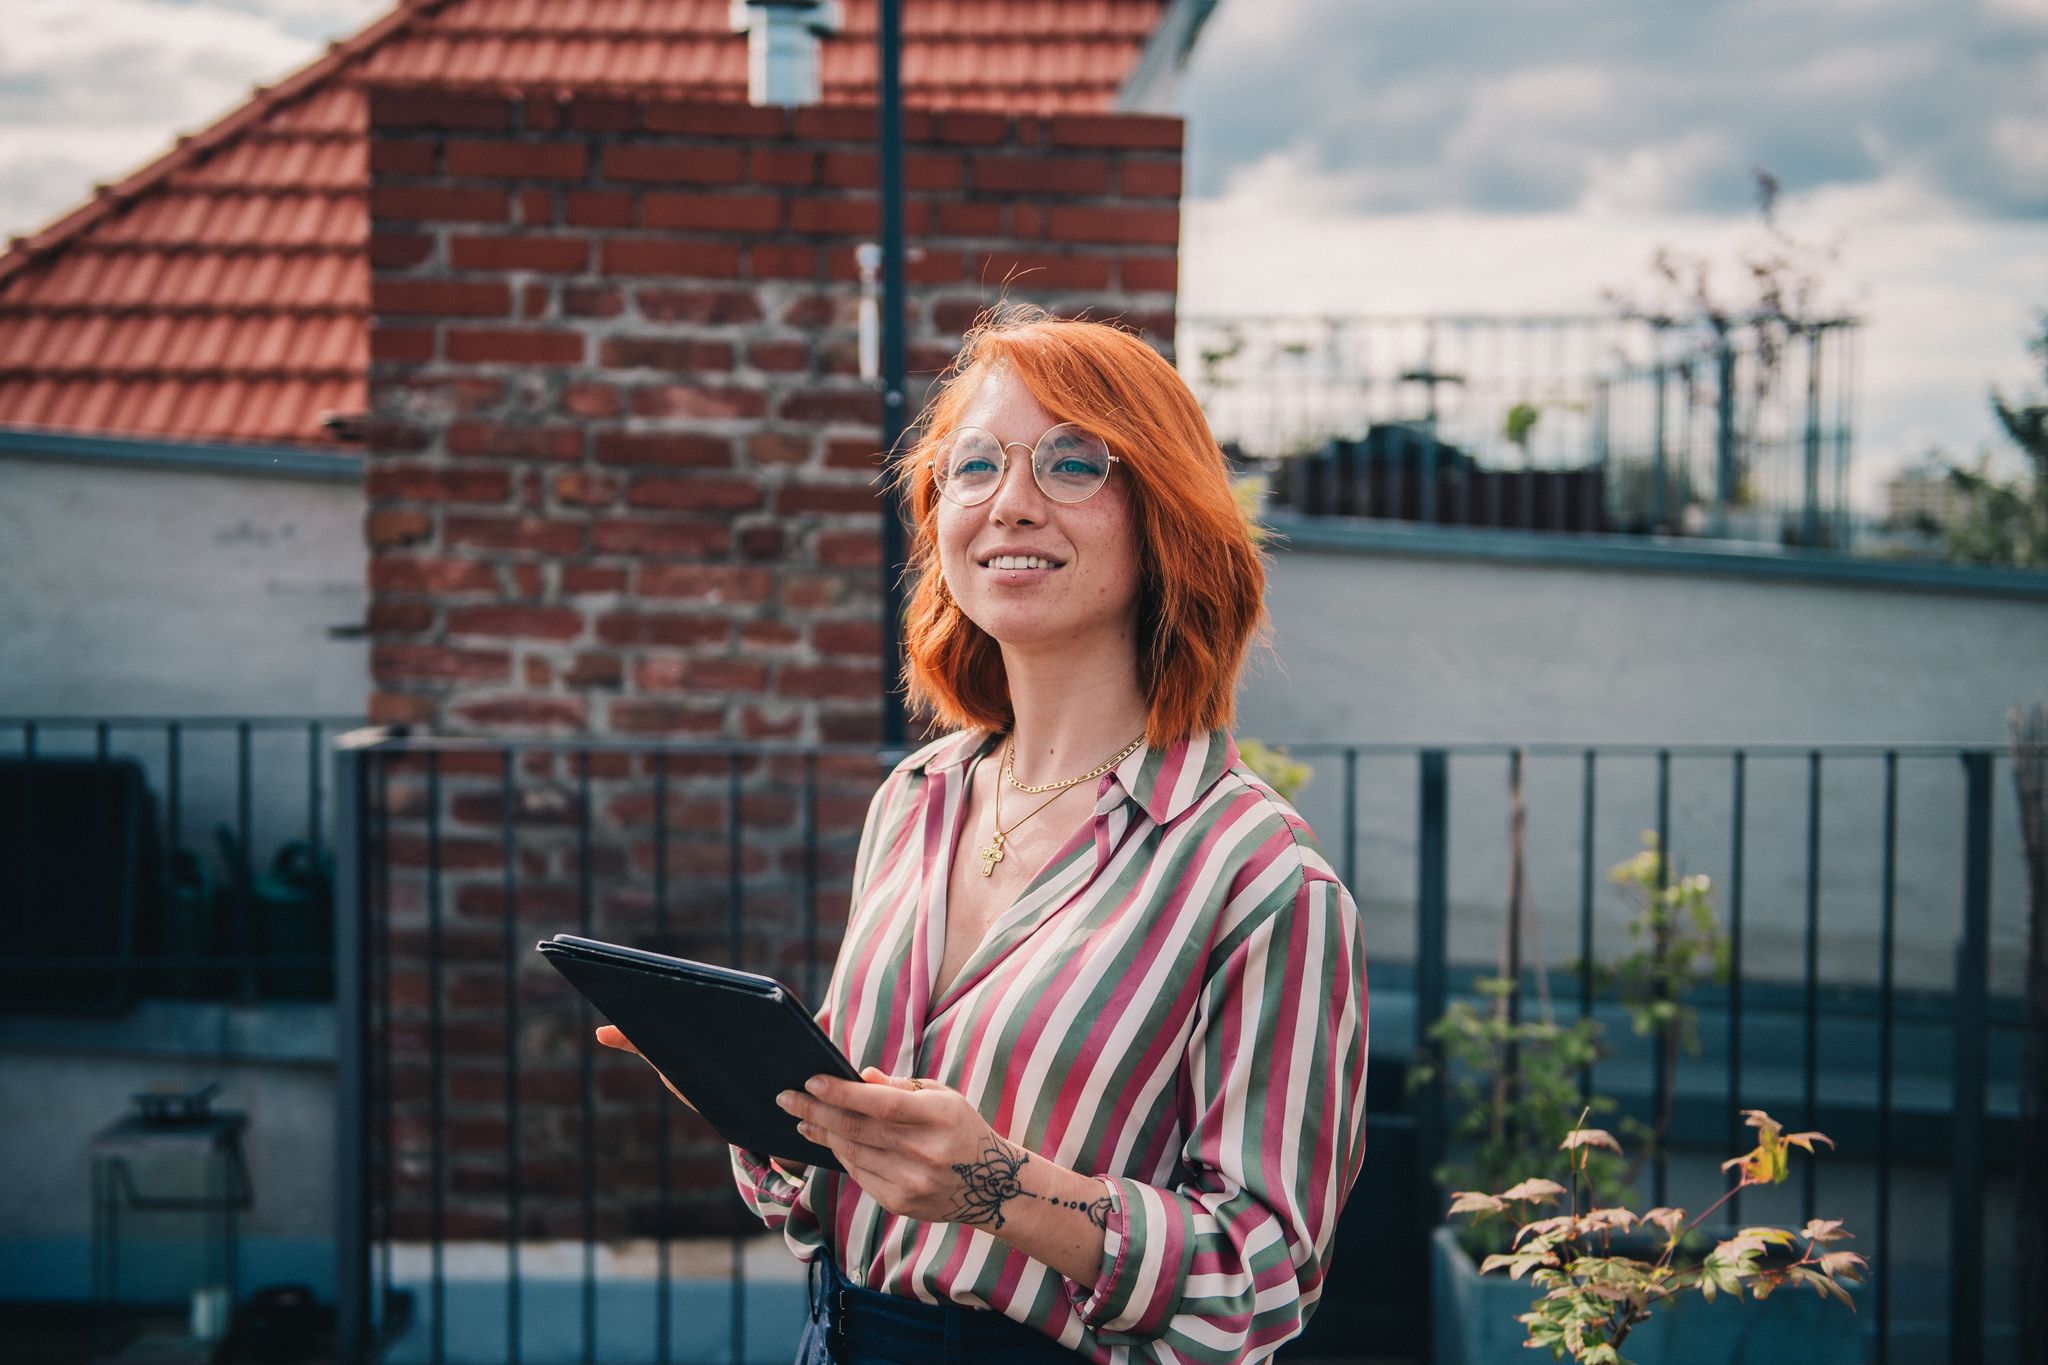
x,y
1166,782
949,751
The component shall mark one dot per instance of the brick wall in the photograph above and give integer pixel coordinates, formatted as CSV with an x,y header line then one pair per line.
x,y
622,485
622,473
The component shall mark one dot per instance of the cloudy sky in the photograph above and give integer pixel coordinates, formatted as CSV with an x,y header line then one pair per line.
x,y
1407,155
1436,155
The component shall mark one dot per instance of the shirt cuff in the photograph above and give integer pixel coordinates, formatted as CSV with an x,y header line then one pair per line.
x,y
769,1182
1147,1247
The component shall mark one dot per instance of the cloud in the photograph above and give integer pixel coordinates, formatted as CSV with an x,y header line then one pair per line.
x,y
91,89
1416,105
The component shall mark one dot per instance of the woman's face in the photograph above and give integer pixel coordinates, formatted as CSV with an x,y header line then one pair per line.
x,y
1092,583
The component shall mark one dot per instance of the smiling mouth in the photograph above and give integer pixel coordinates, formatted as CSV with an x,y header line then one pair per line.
x,y
1019,562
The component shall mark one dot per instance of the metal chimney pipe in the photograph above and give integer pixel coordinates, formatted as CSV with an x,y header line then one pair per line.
x,y
782,46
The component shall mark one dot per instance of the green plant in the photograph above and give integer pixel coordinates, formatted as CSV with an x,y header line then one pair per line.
x,y
1249,493
1283,774
1513,1087
1594,1296
1520,425
1678,945
2005,520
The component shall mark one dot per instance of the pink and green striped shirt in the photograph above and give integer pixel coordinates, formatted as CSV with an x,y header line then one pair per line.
x,y
1176,1004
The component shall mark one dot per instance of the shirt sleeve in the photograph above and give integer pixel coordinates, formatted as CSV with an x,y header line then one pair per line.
x,y
1228,1263
768,1193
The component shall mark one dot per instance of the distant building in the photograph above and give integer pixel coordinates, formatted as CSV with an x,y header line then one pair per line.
x,y
1923,497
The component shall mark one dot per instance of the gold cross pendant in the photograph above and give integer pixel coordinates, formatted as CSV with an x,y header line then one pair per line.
x,y
992,855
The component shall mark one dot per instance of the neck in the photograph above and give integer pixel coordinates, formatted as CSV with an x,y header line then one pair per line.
x,y
1074,707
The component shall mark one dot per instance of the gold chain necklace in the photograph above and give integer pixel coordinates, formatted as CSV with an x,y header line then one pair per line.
x,y
993,853
1010,767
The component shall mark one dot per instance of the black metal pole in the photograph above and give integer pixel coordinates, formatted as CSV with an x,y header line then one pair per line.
x,y
1973,1023
894,416
352,1070
1432,950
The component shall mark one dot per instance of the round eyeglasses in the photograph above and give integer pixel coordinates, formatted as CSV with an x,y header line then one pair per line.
x,y
1068,464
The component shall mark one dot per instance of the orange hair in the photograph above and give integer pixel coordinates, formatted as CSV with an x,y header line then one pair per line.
x,y
1202,581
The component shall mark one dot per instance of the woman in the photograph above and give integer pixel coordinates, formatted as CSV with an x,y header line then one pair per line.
x,y
1108,997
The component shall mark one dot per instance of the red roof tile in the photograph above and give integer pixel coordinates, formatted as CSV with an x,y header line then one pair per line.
x,y
220,293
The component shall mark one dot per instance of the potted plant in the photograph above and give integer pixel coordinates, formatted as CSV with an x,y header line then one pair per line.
x,y
1609,1277
1519,1125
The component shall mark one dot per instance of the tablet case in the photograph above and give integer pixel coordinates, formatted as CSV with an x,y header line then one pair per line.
x,y
729,1040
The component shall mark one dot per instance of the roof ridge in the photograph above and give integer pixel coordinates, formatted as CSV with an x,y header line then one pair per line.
x,y
189,148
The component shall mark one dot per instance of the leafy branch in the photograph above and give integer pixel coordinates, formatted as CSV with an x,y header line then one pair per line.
x,y
1679,944
1595,1297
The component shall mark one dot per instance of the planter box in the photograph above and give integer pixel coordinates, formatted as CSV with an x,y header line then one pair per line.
x,y
1473,1323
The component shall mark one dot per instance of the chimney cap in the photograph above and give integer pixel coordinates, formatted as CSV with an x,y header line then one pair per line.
x,y
823,15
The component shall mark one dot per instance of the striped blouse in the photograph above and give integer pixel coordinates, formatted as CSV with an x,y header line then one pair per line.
x,y
1175,1004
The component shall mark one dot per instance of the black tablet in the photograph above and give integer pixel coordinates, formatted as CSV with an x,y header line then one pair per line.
x,y
729,1040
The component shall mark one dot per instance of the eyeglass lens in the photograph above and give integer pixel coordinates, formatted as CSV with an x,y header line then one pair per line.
x,y
1069,464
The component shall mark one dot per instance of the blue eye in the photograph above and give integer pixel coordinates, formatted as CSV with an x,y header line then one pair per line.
x,y
972,465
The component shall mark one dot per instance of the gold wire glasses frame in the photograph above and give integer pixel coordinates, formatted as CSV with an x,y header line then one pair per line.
x,y
1068,463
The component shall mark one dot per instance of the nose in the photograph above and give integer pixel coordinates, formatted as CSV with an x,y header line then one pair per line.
x,y
1018,500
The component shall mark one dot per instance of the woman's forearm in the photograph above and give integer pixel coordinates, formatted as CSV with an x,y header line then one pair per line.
x,y
1050,1213
922,1151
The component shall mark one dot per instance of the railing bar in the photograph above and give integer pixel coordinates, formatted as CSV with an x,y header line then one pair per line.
x,y
29,744
106,891
1432,889
735,953
355,1090
508,816
1351,819
313,794
1810,1075
245,869
1383,749
104,962
1738,799
174,789
1973,967
1887,984
381,948
437,1112
151,722
586,1066
1512,965
663,1324
1587,796
1660,1064
166,885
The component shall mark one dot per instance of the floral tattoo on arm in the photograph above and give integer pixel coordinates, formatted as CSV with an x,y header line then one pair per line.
x,y
995,1179
989,1183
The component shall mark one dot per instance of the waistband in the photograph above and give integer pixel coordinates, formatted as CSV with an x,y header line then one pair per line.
x,y
913,1330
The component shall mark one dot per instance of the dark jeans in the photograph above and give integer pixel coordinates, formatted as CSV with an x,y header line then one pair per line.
x,y
854,1326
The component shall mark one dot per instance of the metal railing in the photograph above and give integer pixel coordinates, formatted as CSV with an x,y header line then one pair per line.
x,y
1740,428
1866,889
164,856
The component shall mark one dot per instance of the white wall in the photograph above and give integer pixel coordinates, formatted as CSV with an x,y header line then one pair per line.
x,y
131,590
1406,649
1391,647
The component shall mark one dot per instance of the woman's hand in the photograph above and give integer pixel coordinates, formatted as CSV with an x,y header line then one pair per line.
x,y
918,1147
611,1037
